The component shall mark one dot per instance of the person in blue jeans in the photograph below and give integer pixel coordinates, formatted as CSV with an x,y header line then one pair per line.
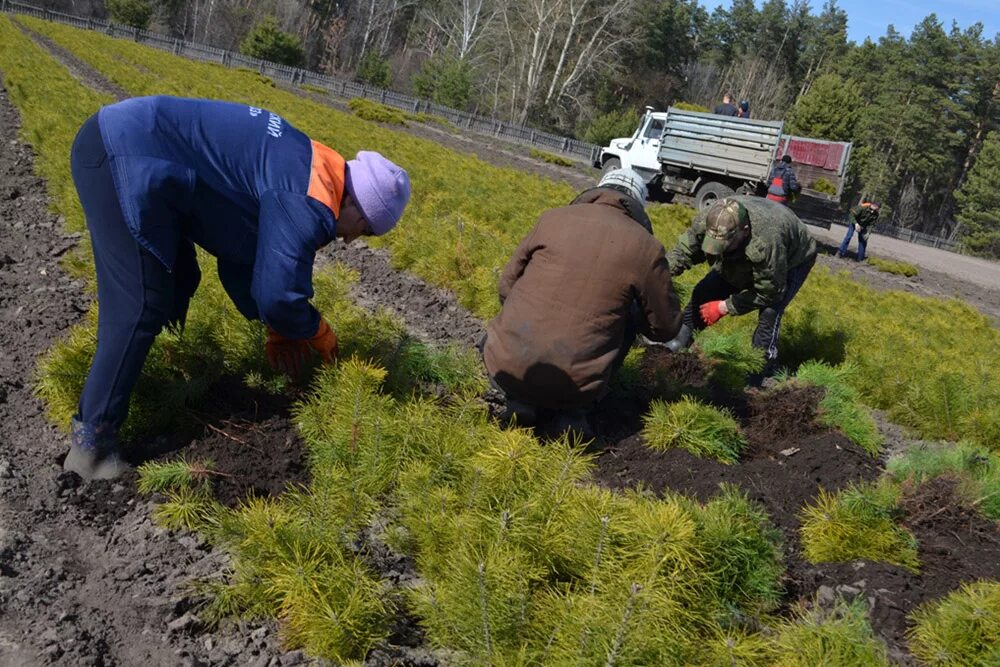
x,y
158,176
861,219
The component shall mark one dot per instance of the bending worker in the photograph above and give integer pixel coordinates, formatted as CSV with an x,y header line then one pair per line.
x,y
760,254
861,219
158,176
579,287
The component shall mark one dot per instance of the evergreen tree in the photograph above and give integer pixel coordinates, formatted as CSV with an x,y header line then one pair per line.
x,y
829,110
134,13
979,202
268,41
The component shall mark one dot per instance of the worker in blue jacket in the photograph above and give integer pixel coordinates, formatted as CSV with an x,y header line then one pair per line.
x,y
158,176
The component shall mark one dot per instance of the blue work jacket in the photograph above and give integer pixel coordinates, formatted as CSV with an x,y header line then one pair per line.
x,y
238,181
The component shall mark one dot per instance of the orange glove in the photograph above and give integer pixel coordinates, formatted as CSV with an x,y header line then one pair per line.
x,y
712,312
284,354
324,341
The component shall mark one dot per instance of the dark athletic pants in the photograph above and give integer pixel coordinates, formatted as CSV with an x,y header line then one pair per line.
x,y
135,292
713,287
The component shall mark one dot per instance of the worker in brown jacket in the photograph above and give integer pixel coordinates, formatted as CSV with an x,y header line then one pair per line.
x,y
578,289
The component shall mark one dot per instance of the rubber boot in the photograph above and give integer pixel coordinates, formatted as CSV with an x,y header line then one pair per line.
x,y
94,452
760,380
682,340
518,414
571,422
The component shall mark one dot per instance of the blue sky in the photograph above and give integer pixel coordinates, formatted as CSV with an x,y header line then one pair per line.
x,y
869,18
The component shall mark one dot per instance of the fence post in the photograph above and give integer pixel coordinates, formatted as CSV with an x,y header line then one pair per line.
x,y
3,5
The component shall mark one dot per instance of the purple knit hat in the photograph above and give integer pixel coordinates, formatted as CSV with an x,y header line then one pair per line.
x,y
380,188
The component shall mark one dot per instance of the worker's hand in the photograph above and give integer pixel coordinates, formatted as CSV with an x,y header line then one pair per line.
x,y
286,355
857,228
713,311
324,341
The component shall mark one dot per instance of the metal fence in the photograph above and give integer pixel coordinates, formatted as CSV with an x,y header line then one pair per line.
x,y
337,87
919,238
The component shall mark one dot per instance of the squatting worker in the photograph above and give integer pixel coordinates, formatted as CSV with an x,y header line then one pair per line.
x,y
760,254
158,176
578,288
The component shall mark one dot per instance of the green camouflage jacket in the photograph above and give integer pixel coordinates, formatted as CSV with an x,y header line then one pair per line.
x,y
778,242
864,216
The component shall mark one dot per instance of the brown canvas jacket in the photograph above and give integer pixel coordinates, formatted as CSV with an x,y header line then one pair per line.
x,y
566,295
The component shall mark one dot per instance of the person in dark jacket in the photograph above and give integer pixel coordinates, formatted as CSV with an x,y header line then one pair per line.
x,y
158,176
744,109
579,288
782,183
726,108
861,219
760,254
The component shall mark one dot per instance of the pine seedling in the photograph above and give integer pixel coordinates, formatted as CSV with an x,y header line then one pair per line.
x,y
977,470
622,624
698,428
733,355
841,637
163,476
841,406
330,605
742,550
187,508
481,604
857,523
457,370
736,648
961,629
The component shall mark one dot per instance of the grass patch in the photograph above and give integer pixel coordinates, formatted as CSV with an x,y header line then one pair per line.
x,y
841,406
858,523
551,158
977,470
961,629
377,113
695,427
891,266
308,87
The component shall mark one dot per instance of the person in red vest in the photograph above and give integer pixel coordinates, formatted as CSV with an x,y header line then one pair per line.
x,y
782,182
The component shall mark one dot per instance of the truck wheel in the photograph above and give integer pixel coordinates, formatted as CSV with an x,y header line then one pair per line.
x,y
711,192
611,164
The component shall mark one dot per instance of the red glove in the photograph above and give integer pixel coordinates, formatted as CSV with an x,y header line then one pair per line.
x,y
284,354
711,312
324,341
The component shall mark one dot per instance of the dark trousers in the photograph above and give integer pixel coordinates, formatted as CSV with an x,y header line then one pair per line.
x,y
135,292
862,242
713,287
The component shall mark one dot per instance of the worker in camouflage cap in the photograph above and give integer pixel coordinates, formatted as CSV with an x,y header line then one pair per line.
x,y
760,254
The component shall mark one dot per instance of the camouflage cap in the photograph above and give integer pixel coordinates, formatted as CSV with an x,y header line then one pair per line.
x,y
722,223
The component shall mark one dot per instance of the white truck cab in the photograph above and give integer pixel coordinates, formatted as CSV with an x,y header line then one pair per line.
x,y
708,156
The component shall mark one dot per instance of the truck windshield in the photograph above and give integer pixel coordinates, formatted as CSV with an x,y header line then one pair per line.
x,y
653,129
